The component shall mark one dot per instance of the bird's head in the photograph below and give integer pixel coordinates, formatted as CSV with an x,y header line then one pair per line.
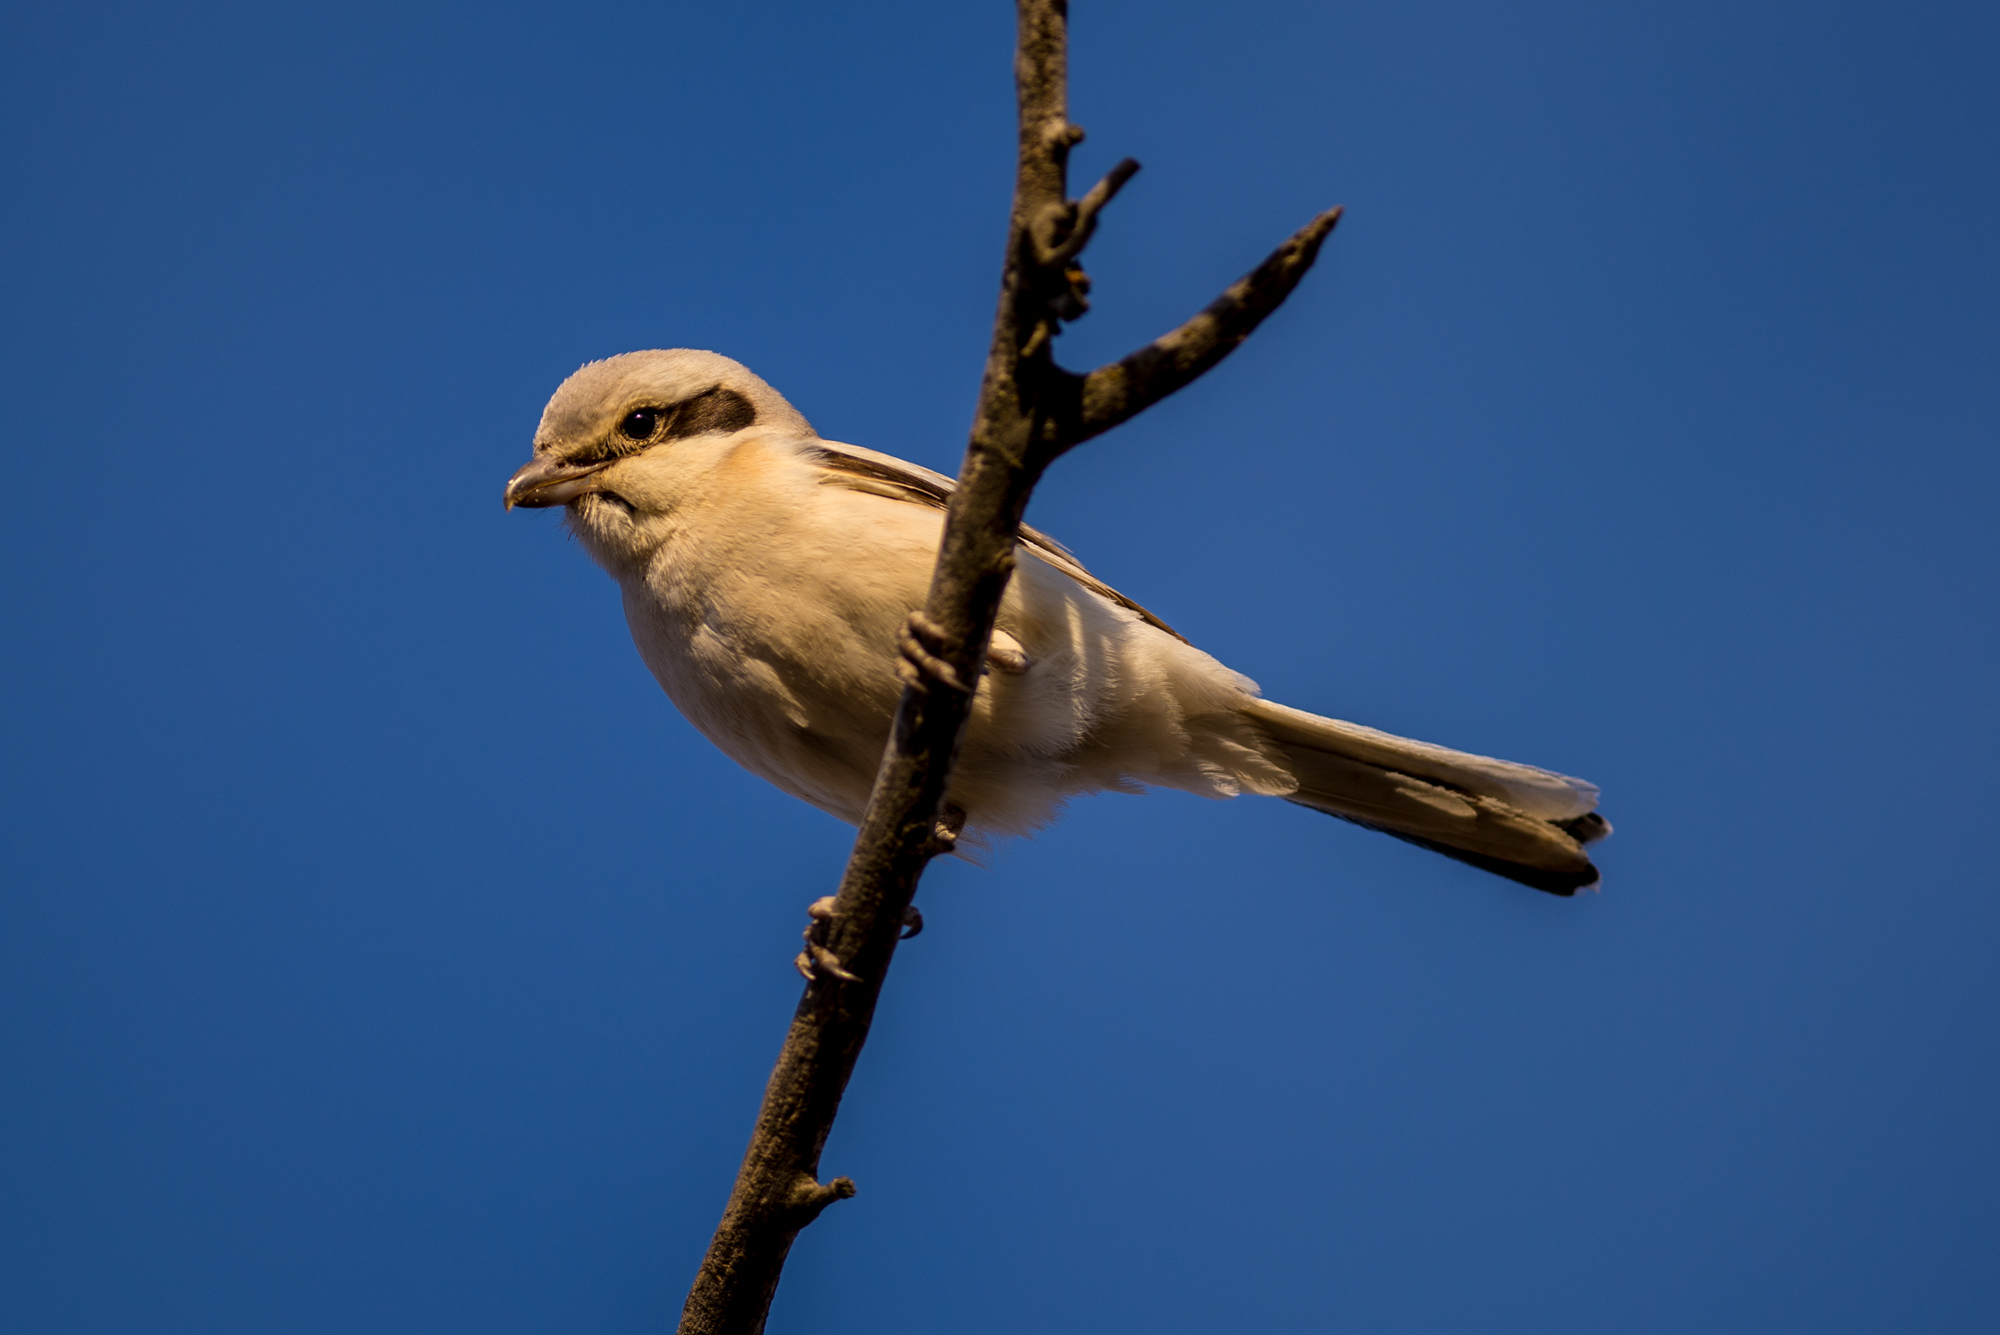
x,y
620,436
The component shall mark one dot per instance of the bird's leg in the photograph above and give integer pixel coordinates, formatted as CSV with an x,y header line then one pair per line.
x,y
816,960
923,644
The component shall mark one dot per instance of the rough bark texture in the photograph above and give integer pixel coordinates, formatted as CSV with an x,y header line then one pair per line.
x,y
1030,411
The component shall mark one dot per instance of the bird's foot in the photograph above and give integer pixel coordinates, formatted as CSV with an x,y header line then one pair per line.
x,y
1006,656
944,835
817,961
924,647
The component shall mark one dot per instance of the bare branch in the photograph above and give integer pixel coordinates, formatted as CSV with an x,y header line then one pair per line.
x,y
1030,410
1113,393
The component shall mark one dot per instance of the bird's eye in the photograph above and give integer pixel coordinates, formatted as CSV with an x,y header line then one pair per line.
x,y
639,424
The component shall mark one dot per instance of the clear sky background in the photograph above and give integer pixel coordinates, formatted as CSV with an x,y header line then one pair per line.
x,y
380,951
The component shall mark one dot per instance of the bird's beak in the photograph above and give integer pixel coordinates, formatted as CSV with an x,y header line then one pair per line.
x,y
545,482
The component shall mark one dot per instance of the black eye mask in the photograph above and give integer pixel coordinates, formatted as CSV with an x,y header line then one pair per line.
x,y
712,410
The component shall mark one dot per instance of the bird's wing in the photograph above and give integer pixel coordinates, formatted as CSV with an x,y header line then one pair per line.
x,y
879,474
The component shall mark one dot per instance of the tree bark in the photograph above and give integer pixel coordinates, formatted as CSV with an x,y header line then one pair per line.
x,y
1030,411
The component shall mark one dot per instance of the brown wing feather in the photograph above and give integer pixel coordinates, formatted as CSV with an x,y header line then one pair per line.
x,y
878,474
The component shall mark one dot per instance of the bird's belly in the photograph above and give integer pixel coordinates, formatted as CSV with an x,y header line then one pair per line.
x,y
812,723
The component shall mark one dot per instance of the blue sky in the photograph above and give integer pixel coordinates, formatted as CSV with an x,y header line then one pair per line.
x,y
379,950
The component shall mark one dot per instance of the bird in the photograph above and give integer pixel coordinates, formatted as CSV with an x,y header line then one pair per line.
x,y
767,575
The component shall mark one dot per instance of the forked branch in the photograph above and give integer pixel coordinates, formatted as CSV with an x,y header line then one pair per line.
x,y
1030,411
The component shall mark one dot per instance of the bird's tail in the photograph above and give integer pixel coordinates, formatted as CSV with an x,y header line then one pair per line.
x,y
1527,824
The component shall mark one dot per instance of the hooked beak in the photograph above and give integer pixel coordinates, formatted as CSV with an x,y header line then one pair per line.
x,y
544,482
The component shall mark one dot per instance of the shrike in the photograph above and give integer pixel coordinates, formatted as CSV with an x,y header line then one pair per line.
x,y
767,574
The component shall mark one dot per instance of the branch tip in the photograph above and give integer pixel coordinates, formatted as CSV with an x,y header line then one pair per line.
x,y
1121,389
1103,192
1076,221
1309,237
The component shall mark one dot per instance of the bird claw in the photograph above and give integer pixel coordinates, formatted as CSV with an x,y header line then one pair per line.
x,y
816,961
1006,656
924,644
944,834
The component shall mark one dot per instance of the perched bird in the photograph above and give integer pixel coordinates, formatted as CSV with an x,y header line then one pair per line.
x,y
767,575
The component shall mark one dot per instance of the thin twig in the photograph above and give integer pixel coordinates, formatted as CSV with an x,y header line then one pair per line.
x,y
1030,411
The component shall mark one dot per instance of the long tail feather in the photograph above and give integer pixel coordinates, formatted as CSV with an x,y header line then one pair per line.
x,y
1526,824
